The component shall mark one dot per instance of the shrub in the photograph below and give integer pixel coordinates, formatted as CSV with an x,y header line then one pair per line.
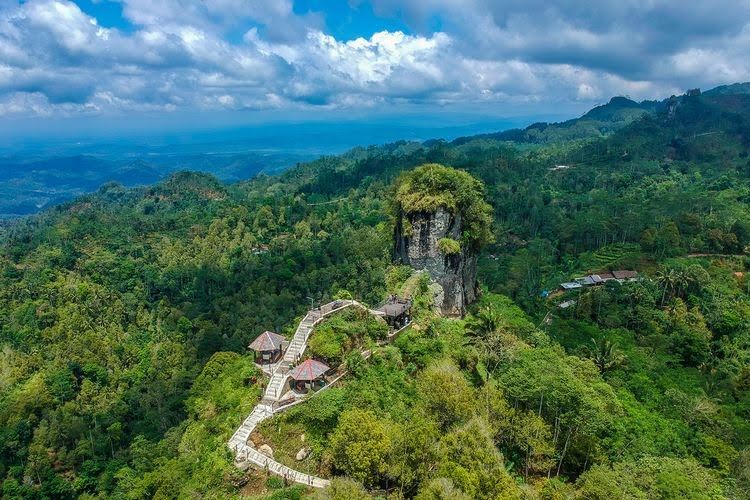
x,y
360,445
274,483
449,246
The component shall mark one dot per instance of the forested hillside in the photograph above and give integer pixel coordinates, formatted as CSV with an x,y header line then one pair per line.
x,y
125,316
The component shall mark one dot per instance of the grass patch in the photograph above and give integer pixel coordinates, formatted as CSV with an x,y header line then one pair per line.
x,y
287,436
342,333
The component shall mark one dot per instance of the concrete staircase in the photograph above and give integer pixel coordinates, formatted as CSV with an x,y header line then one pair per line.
x,y
246,455
275,386
249,456
241,435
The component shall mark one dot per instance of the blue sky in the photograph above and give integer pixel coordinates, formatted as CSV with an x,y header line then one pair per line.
x,y
66,66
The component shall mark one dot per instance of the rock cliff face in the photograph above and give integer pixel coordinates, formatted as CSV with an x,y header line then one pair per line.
x,y
417,241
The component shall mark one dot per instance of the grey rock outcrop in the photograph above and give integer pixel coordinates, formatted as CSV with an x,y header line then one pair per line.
x,y
416,244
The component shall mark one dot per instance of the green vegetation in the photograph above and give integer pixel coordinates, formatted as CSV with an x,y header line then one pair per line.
x,y
124,318
449,246
651,478
194,461
351,330
359,445
432,186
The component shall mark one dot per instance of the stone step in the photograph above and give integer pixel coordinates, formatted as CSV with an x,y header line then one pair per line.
x,y
238,442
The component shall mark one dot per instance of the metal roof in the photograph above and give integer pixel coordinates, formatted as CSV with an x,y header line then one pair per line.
x,y
570,285
267,341
586,280
309,370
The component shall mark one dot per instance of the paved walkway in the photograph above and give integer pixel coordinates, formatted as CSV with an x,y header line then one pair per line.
x,y
245,454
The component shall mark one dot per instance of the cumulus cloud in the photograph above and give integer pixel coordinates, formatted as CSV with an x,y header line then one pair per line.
x,y
191,54
631,39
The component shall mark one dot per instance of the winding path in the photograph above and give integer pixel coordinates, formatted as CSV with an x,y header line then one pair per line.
x,y
245,454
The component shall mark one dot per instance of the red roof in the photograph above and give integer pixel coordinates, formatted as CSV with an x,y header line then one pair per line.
x,y
267,341
309,370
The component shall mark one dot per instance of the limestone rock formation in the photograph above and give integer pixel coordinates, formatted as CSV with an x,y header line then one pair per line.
x,y
420,243
442,221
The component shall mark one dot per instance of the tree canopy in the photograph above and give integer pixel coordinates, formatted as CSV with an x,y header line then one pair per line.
x,y
125,316
432,186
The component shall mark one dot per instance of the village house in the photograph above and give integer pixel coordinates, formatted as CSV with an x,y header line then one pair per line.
x,y
599,279
260,249
571,285
622,276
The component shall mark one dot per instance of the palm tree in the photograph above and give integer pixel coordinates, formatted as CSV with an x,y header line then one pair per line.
x,y
667,279
485,322
605,355
483,331
683,281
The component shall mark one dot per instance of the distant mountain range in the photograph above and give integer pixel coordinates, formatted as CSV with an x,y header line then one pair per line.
x,y
29,184
598,122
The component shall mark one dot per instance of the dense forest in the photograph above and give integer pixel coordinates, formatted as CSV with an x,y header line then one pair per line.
x,y
125,316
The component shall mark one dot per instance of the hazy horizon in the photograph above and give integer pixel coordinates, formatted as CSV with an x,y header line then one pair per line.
x,y
323,136
93,91
77,70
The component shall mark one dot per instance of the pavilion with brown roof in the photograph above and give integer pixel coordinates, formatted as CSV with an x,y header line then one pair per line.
x,y
269,345
396,312
308,375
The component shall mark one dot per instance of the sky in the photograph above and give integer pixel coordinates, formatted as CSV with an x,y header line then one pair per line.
x,y
87,65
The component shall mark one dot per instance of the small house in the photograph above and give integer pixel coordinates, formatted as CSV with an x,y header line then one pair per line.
x,y
308,375
268,346
625,275
571,285
600,279
260,249
591,279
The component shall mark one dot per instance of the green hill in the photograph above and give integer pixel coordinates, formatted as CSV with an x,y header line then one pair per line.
x,y
125,316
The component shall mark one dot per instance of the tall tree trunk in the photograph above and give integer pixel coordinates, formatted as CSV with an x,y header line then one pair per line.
x,y
565,450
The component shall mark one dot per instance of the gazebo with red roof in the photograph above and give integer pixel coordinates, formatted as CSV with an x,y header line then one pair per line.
x,y
269,346
308,375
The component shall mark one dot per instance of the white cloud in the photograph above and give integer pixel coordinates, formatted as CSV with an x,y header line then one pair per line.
x,y
184,54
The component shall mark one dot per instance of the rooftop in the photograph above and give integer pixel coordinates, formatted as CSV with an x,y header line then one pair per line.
x,y
309,369
624,275
570,285
267,341
598,279
394,309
